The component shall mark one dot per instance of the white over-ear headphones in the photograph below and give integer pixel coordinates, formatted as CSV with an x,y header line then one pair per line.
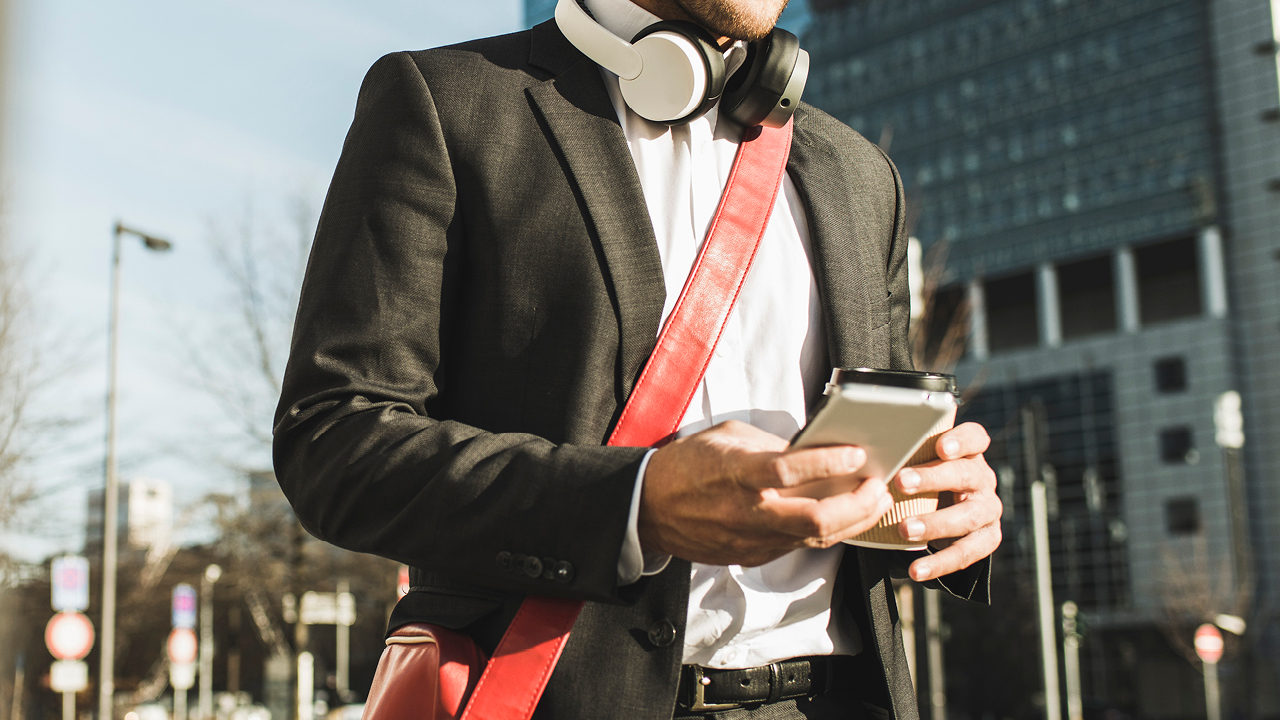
x,y
672,71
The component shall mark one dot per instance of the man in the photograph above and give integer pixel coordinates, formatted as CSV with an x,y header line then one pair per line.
x,y
501,242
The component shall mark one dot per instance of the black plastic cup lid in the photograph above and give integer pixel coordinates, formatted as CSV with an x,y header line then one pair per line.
x,y
930,382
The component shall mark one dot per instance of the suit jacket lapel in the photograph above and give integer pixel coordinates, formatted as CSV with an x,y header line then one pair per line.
x,y
583,126
844,264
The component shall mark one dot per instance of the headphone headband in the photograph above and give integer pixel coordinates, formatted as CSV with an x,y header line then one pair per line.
x,y
607,50
673,72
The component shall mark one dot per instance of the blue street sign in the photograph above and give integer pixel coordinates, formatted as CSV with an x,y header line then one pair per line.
x,y
70,581
184,606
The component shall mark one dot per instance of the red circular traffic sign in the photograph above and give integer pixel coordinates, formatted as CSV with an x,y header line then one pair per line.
x,y
1209,643
69,636
182,646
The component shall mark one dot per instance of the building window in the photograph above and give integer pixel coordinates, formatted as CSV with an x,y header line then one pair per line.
x,y
1177,446
946,328
1182,516
1087,297
1011,313
1168,280
1171,375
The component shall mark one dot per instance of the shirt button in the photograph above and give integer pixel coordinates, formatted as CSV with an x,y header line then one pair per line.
x,y
563,572
662,633
504,561
532,566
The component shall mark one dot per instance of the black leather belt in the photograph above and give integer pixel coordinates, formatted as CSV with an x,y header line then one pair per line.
x,y
709,690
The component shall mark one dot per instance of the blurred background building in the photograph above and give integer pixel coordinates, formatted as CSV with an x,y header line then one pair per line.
x,y
144,520
1096,187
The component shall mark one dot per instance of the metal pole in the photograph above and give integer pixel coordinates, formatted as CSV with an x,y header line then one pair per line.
x,y
19,684
1071,659
1212,696
110,503
205,702
306,686
68,706
343,632
907,615
933,634
1044,591
180,705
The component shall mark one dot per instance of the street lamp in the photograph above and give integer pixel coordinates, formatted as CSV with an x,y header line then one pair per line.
x,y
211,575
111,498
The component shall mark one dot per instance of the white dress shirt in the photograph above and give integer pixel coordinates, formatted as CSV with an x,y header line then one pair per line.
x,y
770,363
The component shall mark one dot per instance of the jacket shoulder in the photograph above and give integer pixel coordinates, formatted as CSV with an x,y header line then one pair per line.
x,y
848,144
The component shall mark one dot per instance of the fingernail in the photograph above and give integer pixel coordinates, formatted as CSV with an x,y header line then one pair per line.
x,y
886,502
915,529
910,479
855,458
921,571
950,447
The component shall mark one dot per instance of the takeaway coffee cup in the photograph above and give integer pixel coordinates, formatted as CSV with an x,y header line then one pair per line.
x,y
885,534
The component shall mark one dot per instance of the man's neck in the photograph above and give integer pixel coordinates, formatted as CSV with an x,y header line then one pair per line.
x,y
670,10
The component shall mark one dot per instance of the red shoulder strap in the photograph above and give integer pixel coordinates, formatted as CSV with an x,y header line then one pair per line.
x,y
517,674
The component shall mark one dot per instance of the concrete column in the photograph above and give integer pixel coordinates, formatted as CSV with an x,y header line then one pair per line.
x,y
1126,273
1213,272
979,347
1048,306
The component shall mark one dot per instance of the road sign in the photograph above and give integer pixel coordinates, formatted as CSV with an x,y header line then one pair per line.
x,y
69,676
182,646
182,675
1209,643
70,581
328,609
69,636
184,606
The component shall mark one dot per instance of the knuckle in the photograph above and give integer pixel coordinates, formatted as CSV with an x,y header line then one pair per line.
x,y
782,472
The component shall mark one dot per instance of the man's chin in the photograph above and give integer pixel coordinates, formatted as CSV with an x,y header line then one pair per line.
x,y
725,18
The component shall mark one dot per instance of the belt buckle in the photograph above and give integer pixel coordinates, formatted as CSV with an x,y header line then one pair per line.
x,y
699,705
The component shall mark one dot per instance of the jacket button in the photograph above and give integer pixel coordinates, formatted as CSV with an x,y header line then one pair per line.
x,y
548,568
563,572
532,566
504,561
662,633
517,562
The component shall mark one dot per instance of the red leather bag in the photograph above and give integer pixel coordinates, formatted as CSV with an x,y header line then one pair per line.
x,y
430,673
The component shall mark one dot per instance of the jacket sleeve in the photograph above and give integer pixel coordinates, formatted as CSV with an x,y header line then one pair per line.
x,y
974,582
360,449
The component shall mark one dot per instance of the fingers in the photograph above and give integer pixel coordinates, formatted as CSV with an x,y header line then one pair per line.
x,y
797,467
963,441
965,475
974,512
823,523
960,555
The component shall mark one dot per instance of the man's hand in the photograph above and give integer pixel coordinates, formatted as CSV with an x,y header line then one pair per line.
x,y
713,497
966,526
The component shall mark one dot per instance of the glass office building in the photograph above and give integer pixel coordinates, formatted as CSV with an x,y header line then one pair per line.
x,y
1097,185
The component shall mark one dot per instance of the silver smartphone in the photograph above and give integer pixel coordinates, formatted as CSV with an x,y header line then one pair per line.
x,y
887,413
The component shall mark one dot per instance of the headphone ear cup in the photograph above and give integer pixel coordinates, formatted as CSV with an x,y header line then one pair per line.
x,y
683,75
767,88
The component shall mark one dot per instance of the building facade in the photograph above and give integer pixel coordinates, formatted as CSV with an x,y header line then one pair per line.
x,y
1097,185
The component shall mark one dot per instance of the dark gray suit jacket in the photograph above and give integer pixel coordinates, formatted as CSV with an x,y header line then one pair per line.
x,y
484,290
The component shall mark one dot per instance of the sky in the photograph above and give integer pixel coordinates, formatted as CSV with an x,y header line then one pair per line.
x,y
169,116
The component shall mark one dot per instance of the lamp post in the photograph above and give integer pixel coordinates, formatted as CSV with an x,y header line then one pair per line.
x,y
111,497
211,575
